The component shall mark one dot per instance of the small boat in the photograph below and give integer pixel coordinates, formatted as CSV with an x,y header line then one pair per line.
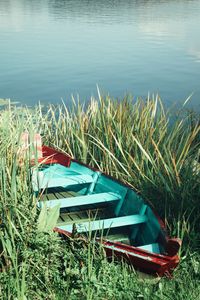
x,y
95,203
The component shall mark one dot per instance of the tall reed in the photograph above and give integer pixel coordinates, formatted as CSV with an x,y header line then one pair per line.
x,y
137,142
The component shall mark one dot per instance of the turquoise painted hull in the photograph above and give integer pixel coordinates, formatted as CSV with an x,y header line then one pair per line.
x,y
91,201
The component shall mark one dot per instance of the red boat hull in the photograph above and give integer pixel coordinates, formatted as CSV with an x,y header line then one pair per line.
x,y
151,263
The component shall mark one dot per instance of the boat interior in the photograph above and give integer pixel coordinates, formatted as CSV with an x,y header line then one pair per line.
x,y
96,204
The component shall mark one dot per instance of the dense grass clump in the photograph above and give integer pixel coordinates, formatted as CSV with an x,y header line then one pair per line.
x,y
139,143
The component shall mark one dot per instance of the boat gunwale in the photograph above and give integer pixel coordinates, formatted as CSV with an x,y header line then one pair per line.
x,y
158,263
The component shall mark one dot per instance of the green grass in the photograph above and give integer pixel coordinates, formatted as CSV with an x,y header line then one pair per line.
x,y
139,143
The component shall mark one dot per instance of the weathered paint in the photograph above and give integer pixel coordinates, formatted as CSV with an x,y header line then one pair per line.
x,y
106,223
58,176
81,200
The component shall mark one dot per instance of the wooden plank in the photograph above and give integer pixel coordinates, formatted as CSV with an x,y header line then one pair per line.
x,y
66,218
93,184
86,215
67,194
88,212
60,220
106,223
54,195
55,175
43,180
119,205
135,230
81,200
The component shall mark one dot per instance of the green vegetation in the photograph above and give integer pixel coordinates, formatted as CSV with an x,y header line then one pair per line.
x,y
139,143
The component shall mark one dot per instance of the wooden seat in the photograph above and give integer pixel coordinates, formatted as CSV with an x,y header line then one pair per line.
x,y
106,223
81,200
57,176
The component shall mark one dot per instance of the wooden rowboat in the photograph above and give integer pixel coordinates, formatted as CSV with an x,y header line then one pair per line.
x,y
96,203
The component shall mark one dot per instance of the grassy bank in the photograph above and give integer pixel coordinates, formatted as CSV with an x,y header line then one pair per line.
x,y
138,143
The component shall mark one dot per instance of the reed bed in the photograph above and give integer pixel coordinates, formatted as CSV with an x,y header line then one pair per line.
x,y
138,142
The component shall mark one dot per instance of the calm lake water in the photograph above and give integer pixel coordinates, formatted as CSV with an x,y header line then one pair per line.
x,y
50,49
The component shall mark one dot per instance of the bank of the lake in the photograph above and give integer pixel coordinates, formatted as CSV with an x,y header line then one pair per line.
x,y
135,142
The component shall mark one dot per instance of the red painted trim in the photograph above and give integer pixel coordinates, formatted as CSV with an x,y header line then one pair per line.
x,y
162,265
52,156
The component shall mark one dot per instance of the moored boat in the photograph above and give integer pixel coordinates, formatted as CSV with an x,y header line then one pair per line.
x,y
91,201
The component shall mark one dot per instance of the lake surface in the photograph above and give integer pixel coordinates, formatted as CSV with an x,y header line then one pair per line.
x,y
50,49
